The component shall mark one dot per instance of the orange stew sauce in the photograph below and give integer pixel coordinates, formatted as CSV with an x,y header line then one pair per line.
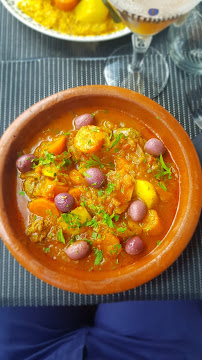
x,y
115,145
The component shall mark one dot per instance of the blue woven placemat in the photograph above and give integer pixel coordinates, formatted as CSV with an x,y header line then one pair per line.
x,y
25,82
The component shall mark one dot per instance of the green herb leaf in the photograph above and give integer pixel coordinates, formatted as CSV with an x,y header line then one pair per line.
x,y
164,170
65,134
47,159
46,250
107,219
162,186
94,235
65,162
99,256
61,236
116,141
72,220
86,174
110,188
122,229
94,161
22,193
115,250
92,223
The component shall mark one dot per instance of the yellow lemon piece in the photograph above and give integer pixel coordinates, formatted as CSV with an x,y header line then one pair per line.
x,y
91,11
146,192
50,171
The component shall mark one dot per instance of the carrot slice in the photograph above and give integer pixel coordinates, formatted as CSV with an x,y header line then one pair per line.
x,y
66,5
43,207
57,146
60,188
76,192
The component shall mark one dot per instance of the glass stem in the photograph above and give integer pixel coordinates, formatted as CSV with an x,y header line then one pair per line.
x,y
140,46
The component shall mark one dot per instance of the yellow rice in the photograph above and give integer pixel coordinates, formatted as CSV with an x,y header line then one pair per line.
x,y
43,12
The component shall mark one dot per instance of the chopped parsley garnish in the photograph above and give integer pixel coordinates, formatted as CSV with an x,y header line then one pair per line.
x,y
158,243
22,193
61,236
116,248
116,150
96,236
72,220
164,169
107,219
162,186
65,162
99,256
47,159
116,141
105,111
92,223
122,229
110,188
94,161
65,134
115,216
46,250
100,193
86,174
88,241
83,203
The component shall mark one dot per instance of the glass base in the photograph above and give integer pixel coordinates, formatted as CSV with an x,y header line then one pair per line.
x,y
150,81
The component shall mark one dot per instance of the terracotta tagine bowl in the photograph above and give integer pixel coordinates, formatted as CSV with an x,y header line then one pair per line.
x,y
162,125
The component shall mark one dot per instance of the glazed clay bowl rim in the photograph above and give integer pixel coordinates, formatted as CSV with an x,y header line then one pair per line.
x,y
167,128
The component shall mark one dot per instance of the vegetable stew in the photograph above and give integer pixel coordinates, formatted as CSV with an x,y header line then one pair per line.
x,y
96,190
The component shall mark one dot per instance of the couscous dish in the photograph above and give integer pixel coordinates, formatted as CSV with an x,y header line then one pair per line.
x,y
87,18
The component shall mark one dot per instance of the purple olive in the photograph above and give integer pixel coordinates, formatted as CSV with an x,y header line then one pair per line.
x,y
64,202
137,210
78,250
25,162
94,177
83,120
134,245
155,147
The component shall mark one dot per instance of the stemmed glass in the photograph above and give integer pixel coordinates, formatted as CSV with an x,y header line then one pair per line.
x,y
138,66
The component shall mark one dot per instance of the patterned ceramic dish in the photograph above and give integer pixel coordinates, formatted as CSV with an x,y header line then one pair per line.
x,y
16,12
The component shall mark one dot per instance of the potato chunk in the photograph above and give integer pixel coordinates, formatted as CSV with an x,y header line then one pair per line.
x,y
152,223
89,139
146,192
72,223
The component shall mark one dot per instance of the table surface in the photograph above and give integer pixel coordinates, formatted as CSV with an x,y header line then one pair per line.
x,y
33,66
